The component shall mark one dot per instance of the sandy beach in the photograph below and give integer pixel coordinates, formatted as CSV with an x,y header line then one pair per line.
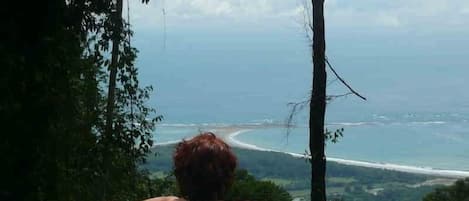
x,y
228,134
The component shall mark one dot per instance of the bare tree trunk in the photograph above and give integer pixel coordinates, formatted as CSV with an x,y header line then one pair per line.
x,y
113,68
108,132
318,106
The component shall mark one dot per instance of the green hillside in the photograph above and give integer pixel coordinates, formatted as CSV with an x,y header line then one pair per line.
x,y
343,181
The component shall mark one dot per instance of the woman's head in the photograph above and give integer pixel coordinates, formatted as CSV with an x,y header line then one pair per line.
x,y
204,167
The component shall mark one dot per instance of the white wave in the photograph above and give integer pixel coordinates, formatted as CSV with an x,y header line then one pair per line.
x,y
381,117
353,123
387,123
234,142
261,122
167,143
271,122
428,122
404,168
171,142
178,125
197,125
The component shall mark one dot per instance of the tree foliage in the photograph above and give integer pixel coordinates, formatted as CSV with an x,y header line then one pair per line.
x,y
459,191
244,187
54,58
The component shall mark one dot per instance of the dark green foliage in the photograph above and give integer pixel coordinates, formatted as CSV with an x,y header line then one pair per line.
x,y
279,166
459,191
390,193
334,136
156,187
246,187
54,66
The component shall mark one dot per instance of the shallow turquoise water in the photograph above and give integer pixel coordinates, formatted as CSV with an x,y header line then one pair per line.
x,y
436,145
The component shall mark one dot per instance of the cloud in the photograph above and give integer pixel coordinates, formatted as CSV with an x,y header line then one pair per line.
x,y
211,7
375,13
431,14
218,8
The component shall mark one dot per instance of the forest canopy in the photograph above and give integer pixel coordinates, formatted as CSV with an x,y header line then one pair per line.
x,y
75,121
63,138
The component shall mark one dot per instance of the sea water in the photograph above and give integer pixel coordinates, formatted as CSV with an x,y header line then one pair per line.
x,y
173,133
432,144
417,104
438,145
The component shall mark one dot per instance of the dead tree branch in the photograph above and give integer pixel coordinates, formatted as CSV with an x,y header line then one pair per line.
x,y
343,81
332,97
295,108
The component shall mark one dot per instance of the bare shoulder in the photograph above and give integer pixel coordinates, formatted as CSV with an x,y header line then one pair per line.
x,y
167,198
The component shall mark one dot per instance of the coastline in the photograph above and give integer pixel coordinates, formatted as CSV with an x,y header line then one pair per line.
x,y
386,166
228,134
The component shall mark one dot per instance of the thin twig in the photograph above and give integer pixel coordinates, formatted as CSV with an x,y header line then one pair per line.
x,y
298,106
164,24
295,108
343,81
332,97
307,21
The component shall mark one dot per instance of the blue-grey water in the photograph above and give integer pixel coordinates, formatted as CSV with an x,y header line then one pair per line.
x,y
416,144
415,81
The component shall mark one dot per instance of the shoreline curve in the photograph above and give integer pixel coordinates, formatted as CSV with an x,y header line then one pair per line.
x,y
230,139
229,136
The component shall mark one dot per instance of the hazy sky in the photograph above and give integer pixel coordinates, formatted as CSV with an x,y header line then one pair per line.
x,y
398,14
249,58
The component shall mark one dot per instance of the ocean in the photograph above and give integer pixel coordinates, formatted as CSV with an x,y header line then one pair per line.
x,y
417,110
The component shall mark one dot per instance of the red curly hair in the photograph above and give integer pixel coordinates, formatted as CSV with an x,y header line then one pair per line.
x,y
204,167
